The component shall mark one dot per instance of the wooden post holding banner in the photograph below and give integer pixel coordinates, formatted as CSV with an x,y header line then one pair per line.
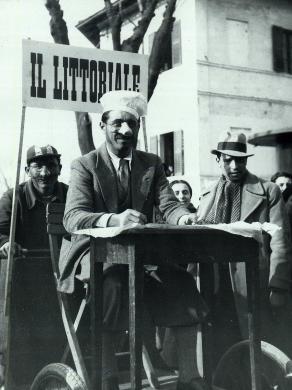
x,y
144,133
9,270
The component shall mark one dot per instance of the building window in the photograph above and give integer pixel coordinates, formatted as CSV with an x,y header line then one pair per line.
x,y
282,49
172,47
237,38
171,150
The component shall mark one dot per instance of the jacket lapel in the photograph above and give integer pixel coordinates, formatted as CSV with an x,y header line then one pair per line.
x,y
141,178
206,202
253,195
107,179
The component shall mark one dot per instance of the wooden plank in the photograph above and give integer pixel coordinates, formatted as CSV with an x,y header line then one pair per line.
x,y
56,218
253,294
96,314
56,208
136,274
8,279
67,319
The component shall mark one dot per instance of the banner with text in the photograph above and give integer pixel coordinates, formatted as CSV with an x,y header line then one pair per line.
x,y
74,78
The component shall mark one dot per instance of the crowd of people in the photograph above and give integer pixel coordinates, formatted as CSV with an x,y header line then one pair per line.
x,y
116,185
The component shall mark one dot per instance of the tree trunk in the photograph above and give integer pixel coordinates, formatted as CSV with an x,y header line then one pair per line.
x,y
59,33
157,56
133,43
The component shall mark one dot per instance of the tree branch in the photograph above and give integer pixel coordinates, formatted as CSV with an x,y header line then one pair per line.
x,y
133,43
84,130
115,23
58,25
158,52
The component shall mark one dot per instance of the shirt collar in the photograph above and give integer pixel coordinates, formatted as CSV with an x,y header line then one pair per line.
x,y
116,160
32,196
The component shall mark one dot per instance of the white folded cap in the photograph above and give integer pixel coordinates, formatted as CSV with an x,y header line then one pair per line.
x,y
129,101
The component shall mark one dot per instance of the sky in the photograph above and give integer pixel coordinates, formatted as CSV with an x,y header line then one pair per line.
x,y
22,19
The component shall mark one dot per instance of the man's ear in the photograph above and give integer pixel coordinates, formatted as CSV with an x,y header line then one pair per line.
x,y
102,125
27,171
60,168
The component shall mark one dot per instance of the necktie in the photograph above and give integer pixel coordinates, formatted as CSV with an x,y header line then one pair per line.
x,y
124,176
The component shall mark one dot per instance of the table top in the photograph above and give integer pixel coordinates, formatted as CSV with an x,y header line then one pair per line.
x,y
157,244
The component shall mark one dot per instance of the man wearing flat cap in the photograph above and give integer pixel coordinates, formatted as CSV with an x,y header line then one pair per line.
x,y
241,196
113,186
43,168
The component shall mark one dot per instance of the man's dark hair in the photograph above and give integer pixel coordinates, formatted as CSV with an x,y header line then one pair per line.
x,y
281,174
105,116
182,182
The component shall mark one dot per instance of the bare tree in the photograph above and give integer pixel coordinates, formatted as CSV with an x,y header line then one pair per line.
x,y
116,17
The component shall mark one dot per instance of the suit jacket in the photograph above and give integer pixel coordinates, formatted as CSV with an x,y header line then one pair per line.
x,y
261,202
93,191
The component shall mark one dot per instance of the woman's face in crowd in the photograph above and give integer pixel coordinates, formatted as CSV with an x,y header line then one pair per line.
x,y
282,182
182,193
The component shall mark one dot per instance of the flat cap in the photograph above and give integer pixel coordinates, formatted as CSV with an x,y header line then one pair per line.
x,y
34,152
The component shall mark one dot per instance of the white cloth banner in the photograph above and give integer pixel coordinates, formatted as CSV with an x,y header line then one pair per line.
x,y
74,78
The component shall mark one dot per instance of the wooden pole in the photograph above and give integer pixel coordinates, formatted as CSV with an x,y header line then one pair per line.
x,y
13,216
11,248
144,133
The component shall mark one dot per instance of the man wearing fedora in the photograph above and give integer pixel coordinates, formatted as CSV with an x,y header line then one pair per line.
x,y
241,196
113,186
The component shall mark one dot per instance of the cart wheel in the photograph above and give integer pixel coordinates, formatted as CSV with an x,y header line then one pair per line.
x,y
233,370
57,376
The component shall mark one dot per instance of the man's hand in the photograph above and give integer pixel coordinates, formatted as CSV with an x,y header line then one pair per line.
x,y
188,219
18,250
278,298
127,217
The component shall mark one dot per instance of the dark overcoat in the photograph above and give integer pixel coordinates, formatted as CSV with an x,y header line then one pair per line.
x,y
261,202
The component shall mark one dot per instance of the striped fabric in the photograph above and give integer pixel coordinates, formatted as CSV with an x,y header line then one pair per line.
x,y
226,207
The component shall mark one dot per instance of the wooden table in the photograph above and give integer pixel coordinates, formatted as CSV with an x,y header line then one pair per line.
x,y
164,244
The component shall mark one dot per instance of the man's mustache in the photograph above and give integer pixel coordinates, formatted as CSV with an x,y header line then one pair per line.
x,y
121,136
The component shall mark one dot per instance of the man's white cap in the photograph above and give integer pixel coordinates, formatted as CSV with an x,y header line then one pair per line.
x,y
129,101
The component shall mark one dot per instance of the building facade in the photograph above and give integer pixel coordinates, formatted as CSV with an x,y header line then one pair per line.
x,y
229,68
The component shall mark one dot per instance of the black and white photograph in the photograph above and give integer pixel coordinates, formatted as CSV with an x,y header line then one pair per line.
x,y
146,195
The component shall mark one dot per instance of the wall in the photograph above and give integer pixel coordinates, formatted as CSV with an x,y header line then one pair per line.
x,y
243,91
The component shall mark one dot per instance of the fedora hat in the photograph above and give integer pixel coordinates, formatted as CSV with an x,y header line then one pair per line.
x,y
232,144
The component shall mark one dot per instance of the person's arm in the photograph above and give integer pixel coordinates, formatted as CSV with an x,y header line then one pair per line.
x,y
281,250
79,210
5,218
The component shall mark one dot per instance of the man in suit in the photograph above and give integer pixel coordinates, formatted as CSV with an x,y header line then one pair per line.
x,y
240,195
113,186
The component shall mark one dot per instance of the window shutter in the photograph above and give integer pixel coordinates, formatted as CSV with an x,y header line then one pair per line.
x,y
178,146
154,144
279,49
176,44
